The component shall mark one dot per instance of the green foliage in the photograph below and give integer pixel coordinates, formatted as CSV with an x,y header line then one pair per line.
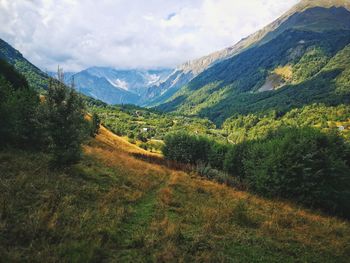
x,y
233,160
255,126
95,125
310,64
185,148
16,79
65,124
300,164
304,165
136,122
319,75
18,109
35,77
57,125
217,155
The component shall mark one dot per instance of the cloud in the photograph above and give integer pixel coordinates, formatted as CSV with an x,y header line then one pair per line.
x,y
129,33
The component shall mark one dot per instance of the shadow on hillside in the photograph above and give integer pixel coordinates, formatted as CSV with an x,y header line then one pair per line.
x,y
320,89
163,162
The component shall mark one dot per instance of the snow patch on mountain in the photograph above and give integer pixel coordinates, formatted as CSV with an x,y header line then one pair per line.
x,y
118,83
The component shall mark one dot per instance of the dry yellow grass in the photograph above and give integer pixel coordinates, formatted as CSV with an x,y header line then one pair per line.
x,y
217,215
119,143
114,208
285,72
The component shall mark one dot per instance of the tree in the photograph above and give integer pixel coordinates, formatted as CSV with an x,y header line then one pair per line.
x,y
302,164
184,148
18,109
95,125
217,155
66,126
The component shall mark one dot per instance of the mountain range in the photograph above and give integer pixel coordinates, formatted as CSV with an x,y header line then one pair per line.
x,y
189,70
301,58
115,86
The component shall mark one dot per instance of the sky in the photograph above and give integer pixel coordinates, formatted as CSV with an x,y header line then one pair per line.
x,y
124,34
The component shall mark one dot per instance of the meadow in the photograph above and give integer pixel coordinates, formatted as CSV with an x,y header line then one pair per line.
x,y
112,207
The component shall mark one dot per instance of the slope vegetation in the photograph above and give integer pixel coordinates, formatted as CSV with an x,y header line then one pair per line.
x,y
190,70
305,42
35,77
114,208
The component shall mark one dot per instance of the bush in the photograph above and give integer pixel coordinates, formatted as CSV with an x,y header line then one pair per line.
x,y
233,162
217,155
144,146
303,165
300,164
185,148
95,125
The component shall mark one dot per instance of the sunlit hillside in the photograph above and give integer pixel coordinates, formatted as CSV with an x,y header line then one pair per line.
x,y
113,207
168,131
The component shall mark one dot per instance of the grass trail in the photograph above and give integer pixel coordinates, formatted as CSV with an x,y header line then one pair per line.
x,y
115,208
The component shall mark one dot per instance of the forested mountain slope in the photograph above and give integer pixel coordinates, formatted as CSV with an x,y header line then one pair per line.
x,y
296,64
188,71
34,75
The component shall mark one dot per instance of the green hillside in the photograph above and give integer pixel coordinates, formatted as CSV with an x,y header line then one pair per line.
x,y
36,78
295,65
247,162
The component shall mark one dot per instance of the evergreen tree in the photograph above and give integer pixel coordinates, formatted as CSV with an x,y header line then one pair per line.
x,y
66,126
95,125
18,109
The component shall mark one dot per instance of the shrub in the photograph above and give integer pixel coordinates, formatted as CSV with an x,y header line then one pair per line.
x,y
303,165
233,161
217,155
144,146
95,125
185,148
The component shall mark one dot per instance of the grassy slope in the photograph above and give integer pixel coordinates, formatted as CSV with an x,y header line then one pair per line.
x,y
112,207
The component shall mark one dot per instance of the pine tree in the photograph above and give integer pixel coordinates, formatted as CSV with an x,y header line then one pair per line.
x,y
95,125
66,126
18,109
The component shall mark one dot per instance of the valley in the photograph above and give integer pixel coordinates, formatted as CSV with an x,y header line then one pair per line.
x,y
113,207
242,155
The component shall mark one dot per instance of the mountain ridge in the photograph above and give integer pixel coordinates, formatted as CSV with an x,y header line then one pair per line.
x,y
118,86
34,75
316,33
189,70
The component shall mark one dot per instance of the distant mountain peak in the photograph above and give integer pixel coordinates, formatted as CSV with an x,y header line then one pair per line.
x,y
322,3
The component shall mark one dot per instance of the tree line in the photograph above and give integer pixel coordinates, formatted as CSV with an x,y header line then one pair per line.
x,y
300,164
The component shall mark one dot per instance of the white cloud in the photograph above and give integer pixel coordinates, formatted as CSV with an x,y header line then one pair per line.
x,y
129,33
